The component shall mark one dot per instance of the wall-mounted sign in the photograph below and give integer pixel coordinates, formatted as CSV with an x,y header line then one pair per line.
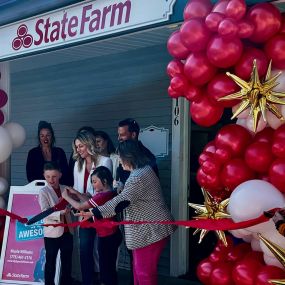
x,y
80,22
156,140
23,253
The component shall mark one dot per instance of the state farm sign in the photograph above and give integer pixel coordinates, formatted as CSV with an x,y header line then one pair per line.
x,y
80,22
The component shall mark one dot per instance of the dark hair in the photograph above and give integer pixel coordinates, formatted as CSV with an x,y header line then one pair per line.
x,y
88,129
46,125
132,124
52,165
104,174
131,152
105,137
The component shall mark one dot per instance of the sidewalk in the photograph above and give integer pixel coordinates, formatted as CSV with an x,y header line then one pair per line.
x,y
165,280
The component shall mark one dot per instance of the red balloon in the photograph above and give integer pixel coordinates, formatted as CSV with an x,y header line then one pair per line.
x,y
2,118
213,20
217,256
255,255
228,28
238,252
245,29
275,49
266,135
222,274
205,114
204,156
244,66
175,67
211,167
197,9
266,19
245,271
236,9
211,182
234,137
221,6
195,35
282,29
220,86
173,94
268,272
3,98
264,177
277,174
179,84
204,270
223,154
210,147
175,46
223,52
258,156
234,172
193,93
278,147
221,247
279,133
198,69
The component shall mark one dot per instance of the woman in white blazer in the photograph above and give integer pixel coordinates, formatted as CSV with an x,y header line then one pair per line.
x,y
87,159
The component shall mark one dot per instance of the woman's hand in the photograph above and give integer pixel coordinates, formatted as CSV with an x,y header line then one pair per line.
x,y
85,215
65,193
72,190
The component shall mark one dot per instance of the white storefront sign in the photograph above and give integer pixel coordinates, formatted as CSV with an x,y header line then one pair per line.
x,y
80,22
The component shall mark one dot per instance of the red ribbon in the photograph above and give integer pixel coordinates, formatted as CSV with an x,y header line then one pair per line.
x,y
207,224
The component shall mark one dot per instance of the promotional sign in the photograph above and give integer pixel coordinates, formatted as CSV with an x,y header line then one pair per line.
x,y
80,22
23,253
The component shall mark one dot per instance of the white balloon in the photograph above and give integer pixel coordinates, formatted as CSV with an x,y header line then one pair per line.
x,y
260,125
275,237
269,260
5,144
273,121
243,115
3,185
241,122
251,198
281,80
2,203
255,244
17,133
248,238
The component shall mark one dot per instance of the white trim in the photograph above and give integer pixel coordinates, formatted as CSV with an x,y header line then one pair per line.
x,y
179,252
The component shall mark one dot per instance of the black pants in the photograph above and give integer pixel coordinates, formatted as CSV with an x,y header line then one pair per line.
x,y
52,246
108,252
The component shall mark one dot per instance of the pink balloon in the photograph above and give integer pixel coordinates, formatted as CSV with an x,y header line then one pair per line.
x,y
236,9
245,29
195,35
213,20
266,19
224,53
198,69
3,98
228,28
175,46
275,49
175,67
197,9
221,6
244,66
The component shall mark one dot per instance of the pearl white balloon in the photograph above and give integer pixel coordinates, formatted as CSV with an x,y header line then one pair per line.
x,y
3,185
255,244
281,80
17,133
5,144
260,125
269,260
251,198
248,238
241,122
273,121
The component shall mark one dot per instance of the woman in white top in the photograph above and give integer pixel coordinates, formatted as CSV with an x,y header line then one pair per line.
x,y
87,159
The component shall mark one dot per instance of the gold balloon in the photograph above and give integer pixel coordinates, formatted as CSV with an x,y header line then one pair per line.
x,y
256,95
278,252
211,209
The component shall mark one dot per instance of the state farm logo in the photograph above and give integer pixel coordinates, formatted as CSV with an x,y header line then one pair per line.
x,y
24,39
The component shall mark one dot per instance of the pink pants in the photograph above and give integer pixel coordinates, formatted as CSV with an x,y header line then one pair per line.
x,y
145,262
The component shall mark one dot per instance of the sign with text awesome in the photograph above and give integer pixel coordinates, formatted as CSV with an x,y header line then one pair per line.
x,y
23,253
80,22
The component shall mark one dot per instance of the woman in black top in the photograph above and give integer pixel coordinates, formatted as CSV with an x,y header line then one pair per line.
x,y
45,152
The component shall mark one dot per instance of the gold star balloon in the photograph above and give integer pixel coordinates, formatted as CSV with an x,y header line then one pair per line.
x,y
212,209
257,95
278,252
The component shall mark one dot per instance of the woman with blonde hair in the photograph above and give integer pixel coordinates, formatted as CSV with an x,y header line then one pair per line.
x,y
87,159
